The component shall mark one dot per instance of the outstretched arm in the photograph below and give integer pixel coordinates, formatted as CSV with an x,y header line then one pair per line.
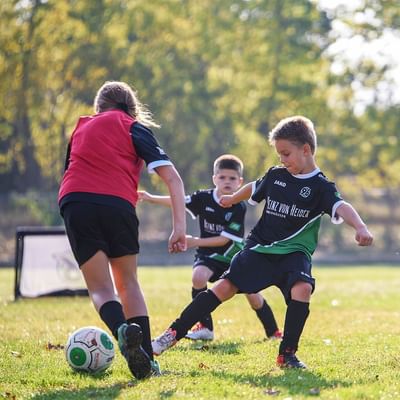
x,y
155,199
171,177
215,241
244,193
352,218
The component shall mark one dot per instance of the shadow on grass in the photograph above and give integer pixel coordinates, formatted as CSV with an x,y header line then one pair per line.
x,y
92,392
285,382
212,347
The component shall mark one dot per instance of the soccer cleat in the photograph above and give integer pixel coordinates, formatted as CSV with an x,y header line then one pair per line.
x,y
129,342
155,368
277,335
289,360
200,332
164,341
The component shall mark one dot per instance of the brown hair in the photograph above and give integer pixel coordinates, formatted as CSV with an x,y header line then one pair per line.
x,y
119,95
298,129
228,161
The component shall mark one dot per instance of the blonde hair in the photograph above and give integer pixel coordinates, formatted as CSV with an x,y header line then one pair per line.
x,y
297,129
228,161
119,95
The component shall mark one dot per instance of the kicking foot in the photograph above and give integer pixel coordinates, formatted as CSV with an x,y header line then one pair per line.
x,y
129,342
164,341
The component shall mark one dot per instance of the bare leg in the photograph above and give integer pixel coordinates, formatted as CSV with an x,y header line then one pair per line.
x,y
98,280
125,277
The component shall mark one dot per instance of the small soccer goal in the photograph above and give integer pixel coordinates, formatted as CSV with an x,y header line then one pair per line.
x,y
45,265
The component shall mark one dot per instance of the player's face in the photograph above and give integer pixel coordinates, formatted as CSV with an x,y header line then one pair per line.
x,y
296,158
227,181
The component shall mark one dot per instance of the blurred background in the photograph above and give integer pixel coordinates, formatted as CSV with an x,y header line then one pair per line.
x,y
217,75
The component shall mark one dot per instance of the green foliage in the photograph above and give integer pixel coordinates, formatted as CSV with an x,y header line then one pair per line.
x,y
217,75
350,344
39,208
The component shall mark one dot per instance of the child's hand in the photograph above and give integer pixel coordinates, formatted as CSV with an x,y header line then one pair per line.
x,y
177,242
364,236
143,196
226,201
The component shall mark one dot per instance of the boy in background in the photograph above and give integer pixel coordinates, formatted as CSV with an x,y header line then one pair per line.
x,y
221,237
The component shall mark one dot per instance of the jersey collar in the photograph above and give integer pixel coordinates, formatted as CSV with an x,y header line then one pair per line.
x,y
309,175
215,197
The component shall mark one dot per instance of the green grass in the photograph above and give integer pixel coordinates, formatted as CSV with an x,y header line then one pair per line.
x,y
350,343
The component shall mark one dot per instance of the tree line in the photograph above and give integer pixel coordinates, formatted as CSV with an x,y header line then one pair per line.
x,y
217,74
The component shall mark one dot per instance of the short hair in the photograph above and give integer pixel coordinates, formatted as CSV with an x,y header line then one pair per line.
x,y
228,161
119,95
297,129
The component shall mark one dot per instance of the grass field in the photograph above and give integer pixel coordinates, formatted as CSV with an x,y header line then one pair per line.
x,y
351,344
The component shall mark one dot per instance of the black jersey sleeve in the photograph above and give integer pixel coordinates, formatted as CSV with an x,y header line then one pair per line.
x,y
66,164
259,189
193,203
147,147
331,200
234,227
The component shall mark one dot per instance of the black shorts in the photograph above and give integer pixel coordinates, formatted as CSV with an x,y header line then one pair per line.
x,y
217,267
252,272
92,227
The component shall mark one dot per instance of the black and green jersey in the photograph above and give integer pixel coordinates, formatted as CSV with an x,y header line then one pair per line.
x,y
215,220
294,205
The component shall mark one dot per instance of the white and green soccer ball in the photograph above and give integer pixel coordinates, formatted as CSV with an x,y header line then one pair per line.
x,y
89,349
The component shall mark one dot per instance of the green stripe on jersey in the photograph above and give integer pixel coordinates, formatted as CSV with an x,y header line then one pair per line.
x,y
305,240
234,248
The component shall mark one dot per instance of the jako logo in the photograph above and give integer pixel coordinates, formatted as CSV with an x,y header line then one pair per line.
x,y
283,184
210,209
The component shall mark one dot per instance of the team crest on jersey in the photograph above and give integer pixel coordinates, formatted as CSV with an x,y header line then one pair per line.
x,y
228,216
305,192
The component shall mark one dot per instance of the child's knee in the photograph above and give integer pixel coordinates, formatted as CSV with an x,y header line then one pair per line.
x,y
301,291
199,281
224,289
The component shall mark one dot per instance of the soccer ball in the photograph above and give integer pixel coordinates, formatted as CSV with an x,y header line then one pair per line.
x,y
89,349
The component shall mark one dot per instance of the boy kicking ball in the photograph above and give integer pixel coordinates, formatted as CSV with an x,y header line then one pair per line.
x,y
279,248
221,237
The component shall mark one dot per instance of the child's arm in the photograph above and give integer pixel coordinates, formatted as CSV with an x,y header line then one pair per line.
x,y
155,199
170,176
244,193
215,241
352,218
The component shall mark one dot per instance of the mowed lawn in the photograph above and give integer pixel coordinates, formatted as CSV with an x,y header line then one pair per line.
x,y
351,344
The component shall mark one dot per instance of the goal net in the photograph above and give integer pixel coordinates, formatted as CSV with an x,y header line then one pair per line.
x,y
45,265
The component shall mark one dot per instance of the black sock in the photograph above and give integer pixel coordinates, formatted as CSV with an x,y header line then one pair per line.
x,y
204,303
296,317
266,316
207,320
113,316
144,323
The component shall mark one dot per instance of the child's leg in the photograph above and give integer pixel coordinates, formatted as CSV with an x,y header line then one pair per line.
x,y
125,278
134,339
201,275
264,314
205,303
101,290
296,316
